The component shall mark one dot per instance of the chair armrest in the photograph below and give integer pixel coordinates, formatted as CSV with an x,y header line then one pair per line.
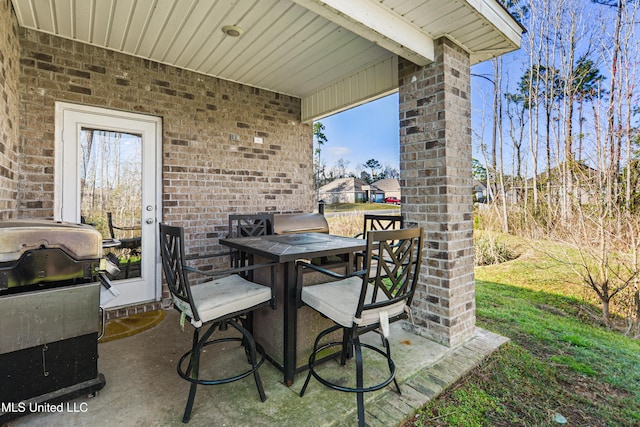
x,y
128,228
305,264
228,271
205,256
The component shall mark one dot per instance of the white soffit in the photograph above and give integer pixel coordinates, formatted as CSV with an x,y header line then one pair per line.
x,y
482,27
374,81
332,54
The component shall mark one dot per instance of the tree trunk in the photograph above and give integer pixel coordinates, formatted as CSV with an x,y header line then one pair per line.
x,y
636,300
605,312
613,142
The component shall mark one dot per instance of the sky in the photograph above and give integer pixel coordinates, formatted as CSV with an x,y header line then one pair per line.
x,y
372,130
369,131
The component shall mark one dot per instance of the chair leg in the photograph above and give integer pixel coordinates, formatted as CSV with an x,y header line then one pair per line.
x,y
312,361
359,381
256,374
346,347
312,357
250,344
306,383
192,370
194,343
189,407
390,362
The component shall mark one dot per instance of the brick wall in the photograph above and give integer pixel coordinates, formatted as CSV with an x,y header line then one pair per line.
x,y
435,171
9,68
211,166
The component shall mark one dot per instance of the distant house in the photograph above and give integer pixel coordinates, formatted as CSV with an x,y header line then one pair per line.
x,y
582,187
348,190
479,191
390,188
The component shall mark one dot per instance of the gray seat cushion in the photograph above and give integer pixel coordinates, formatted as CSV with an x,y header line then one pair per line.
x,y
339,302
223,296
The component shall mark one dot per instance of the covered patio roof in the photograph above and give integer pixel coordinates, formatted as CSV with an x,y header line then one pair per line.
x,y
330,53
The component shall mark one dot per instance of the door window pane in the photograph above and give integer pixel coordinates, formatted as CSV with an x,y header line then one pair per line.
x,y
111,192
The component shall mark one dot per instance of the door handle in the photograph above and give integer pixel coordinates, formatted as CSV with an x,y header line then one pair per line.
x,y
149,220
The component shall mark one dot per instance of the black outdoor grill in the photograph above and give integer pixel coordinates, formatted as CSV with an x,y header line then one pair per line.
x,y
49,313
300,223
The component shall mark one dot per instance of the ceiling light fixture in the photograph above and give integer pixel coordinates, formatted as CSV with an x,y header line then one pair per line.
x,y
232,30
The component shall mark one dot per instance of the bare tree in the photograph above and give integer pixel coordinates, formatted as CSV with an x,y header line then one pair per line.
x,y
390,172
341,168
607,260
618,58
585,136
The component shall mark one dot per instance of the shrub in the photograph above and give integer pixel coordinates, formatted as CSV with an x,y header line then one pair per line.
x,y
489,250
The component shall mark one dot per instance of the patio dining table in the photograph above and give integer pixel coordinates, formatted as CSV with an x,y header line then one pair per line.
x,y
288,331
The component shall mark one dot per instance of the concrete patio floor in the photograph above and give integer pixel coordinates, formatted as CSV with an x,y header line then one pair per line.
x,y
143,387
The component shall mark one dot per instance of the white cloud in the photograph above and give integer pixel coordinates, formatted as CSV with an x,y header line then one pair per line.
x,y
338,152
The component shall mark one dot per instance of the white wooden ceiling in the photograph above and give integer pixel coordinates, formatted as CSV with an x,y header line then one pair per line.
x,y
295,47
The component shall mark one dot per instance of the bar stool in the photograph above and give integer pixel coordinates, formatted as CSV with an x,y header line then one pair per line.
x,y
225,299
364,301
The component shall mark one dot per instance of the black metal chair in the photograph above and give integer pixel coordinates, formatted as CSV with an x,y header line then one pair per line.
x,y
248,226
365,301
224,299
128,236
373,222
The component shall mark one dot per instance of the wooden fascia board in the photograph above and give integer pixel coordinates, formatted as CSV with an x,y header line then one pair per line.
x,y
499,19
377,24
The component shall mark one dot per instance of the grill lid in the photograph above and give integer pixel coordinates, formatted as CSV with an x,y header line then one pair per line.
x,y
80,241
300,223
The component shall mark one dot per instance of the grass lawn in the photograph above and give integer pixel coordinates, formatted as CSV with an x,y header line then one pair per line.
x,y
355,207
561,366
351,219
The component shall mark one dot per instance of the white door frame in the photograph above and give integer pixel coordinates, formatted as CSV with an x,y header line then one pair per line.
x,y
67,182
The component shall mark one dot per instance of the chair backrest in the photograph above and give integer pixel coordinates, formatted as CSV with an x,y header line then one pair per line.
x,y
130,229
173,262
393,259
250,225
373,222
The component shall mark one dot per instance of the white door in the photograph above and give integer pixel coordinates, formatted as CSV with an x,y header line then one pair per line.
x,y
107,165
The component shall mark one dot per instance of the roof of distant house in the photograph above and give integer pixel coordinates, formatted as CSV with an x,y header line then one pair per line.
x,y
388,184
477,183
343,185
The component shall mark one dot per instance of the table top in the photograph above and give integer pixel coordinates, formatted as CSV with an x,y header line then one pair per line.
x,y
290,247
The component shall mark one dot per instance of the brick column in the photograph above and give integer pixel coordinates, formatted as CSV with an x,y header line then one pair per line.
x,y
9,117
435,171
